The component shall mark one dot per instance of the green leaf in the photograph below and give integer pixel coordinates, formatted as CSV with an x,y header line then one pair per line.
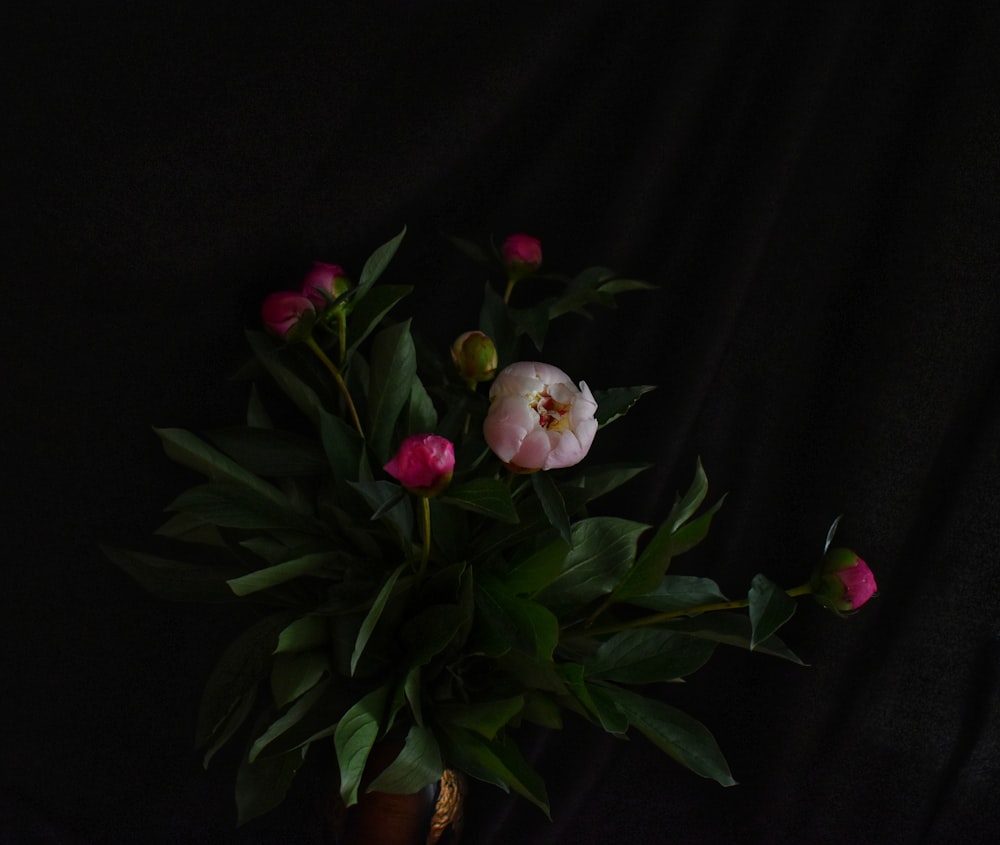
x,y
421,418
603,549
174,580
614,403
242,666
234,506
416,766
552,504
685,739
288,720
270,353
393,368
668,541
353,739
262,785
487,496
731,629
830,534
516,621
373,615
367,313
303,634
188,528
191,451
770,608
232,723
380,495
257,416
648,655
378,261
430,631
268,452
538,569
679,592
495,321
596,481
295,673
486,718
498,762
280,573
343,447
692,533
533,321
616,286
593,701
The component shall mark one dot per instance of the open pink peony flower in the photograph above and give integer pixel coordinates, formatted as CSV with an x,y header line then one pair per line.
x,y
287,314
538,419
423,463
324,277
844,581
522,253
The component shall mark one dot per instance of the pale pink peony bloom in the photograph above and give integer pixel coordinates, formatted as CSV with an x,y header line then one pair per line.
x,y
423,463
522,253
538,419
287,314
844,582
324,277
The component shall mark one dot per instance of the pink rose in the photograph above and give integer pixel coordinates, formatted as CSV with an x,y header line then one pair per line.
x,y
423,464
522,253
475,356
844,581
538,419
287,314
329,278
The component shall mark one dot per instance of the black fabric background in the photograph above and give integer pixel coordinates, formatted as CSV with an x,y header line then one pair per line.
x,y
813,186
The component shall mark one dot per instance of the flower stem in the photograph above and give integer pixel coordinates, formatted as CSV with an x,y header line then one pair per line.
x,y
341,335
507,292
425,552
656,618
315,347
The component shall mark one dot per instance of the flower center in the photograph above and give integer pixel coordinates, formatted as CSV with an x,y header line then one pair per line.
x,y
552,415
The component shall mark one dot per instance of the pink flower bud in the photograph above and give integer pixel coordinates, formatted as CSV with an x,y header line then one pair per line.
x,y
522,253
328,278
844,582
288,315
423,464
538,419
475,356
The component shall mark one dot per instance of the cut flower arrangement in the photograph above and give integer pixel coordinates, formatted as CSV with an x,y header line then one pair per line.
x,y
420,547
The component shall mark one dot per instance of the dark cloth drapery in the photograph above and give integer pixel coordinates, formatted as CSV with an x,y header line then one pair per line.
x,y
813,188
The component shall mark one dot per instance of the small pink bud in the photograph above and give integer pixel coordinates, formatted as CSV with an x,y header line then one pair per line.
x,y
324,278
423,464
475,356
538,419
844,581
522,254
288,315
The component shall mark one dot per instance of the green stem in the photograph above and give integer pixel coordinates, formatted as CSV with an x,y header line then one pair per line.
x,y
341,335
507,292
425,552
315,347
657,618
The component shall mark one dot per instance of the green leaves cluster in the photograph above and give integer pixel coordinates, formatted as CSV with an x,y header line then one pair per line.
x,y
529,607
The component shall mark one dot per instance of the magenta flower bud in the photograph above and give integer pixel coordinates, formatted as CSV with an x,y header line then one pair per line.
x,y
475,356
324,278
423,464
288,315
844,582
522,254
538,419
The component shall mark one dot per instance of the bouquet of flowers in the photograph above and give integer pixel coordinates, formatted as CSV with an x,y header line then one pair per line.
x,y
418,540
